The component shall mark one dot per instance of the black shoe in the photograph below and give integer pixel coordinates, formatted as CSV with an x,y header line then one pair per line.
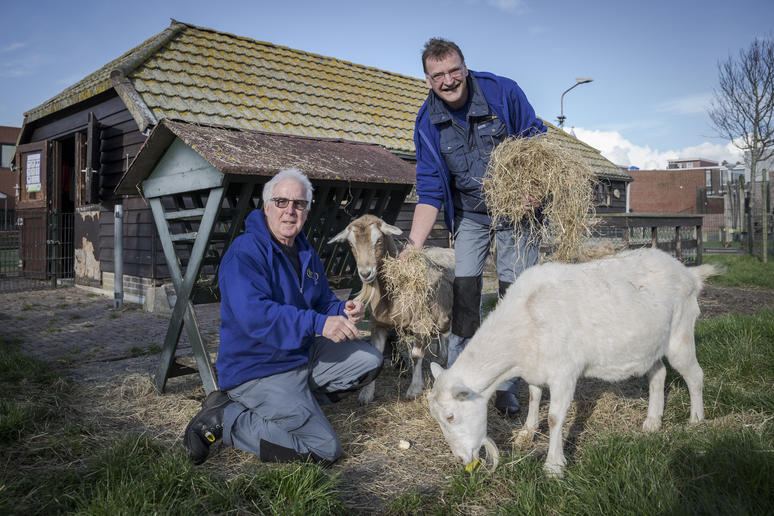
x,y
205,428
215,399
506,403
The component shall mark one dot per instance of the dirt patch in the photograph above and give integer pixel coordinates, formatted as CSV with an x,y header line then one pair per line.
x,y
715,300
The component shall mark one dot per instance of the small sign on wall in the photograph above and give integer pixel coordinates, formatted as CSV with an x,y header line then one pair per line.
x,y
33,172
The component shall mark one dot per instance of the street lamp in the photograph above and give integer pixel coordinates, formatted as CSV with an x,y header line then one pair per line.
x,y
578,81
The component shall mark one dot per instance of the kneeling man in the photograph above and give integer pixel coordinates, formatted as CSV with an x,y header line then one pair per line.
x,y
287,344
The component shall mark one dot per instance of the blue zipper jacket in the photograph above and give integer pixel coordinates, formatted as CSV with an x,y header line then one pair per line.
x,y
506,101
268,318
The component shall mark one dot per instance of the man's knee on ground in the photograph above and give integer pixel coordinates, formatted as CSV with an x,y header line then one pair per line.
x,y
271,452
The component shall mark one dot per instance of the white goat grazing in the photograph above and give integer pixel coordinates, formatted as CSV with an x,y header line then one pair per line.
x,y
609,319
371,241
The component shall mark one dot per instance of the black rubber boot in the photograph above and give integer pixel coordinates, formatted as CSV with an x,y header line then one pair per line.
x,y
206,427
271,452
215,399
506,403
466,307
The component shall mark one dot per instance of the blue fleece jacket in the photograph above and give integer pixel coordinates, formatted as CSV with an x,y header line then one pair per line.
x,y
506,100
268,318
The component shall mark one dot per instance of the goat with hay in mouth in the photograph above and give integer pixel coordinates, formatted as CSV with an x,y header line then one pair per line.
x,y
412,296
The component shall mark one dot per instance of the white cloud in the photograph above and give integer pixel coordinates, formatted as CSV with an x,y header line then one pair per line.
x,y
621,151
511,6
508,5
689,105
22,67
11,47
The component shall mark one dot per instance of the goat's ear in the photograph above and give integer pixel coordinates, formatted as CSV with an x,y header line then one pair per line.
x,y
388,229
461,392
436,369
341,237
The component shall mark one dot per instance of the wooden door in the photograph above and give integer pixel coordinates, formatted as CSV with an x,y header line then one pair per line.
x,y
33,162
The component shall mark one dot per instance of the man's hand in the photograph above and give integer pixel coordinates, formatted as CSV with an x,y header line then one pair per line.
x,y
338,328
531,202
354,310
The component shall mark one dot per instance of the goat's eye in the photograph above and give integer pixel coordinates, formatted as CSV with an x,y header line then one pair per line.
x,y
450,418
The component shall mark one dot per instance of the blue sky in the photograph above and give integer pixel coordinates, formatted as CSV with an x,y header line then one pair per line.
x,y
654,63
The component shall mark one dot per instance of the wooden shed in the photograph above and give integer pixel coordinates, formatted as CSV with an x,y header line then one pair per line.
x,y
74,148
202,181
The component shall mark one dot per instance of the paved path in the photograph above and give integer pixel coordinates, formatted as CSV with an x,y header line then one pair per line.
x,y
89,338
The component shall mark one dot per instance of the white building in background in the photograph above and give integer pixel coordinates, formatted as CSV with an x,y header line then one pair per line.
x,y
765,165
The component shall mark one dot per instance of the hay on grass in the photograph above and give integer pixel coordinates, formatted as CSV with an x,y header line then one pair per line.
x,y
539,168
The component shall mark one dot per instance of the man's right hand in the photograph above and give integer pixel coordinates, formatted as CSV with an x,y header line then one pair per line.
x,y
338,328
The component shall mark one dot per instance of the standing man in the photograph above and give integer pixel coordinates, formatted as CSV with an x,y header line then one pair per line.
x,y
287,344
466,115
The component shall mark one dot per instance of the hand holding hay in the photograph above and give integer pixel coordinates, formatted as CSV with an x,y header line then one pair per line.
x,y
414,284
522,169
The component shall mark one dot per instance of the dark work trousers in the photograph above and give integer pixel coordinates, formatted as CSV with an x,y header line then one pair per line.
x,y
472,241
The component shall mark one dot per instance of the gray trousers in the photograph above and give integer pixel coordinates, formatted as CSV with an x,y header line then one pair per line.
x,y
282,411
515,252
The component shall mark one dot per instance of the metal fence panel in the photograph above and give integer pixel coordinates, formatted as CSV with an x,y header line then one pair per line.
x,y
37,251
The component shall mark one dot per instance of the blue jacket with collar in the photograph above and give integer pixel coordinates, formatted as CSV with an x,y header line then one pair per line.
x,y
268,318
506,100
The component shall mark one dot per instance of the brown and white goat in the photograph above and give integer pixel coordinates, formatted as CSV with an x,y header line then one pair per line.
x,y
371,241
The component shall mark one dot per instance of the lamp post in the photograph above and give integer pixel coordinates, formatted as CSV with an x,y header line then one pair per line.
x,y
578,82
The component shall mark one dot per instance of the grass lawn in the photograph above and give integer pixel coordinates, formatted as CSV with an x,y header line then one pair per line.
x,y
56,462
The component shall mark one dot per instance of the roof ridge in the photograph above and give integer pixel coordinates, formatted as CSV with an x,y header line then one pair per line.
x,y
298,51
96,85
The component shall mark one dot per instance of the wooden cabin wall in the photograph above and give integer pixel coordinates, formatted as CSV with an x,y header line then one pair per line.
x,y
119,141
142,247
439,236
610,196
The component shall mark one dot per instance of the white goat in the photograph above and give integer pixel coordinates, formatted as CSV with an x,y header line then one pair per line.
x,y
371,241
609,319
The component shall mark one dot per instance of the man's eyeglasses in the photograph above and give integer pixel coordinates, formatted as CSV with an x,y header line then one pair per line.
x,y
455,74
282,203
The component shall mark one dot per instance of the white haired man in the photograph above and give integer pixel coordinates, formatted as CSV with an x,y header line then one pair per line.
x,y
287,344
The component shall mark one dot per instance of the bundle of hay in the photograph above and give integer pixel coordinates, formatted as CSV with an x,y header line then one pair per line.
x,y
420,286
539,168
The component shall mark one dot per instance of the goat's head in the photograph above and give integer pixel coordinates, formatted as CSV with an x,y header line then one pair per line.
x,y
371,240
461,413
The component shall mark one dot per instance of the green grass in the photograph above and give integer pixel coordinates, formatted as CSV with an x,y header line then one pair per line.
x,y
152,349
58,469
55,463
743,270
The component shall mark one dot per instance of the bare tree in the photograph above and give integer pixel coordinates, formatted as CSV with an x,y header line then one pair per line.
x,y
743,106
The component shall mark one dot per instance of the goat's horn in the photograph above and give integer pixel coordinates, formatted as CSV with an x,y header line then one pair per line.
x,y
491,453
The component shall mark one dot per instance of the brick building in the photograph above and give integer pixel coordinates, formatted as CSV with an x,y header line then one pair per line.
x,y
686,186
8,137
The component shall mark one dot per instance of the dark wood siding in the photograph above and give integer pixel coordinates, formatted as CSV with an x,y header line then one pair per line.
x,y
610,196
439,236
120,138
120,142
142,247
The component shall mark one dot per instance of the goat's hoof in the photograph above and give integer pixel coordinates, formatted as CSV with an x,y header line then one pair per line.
x,y
365,396
412,395
524,438
553,470
651,424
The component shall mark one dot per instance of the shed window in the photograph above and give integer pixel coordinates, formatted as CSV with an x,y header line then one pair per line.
x,y
6,155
